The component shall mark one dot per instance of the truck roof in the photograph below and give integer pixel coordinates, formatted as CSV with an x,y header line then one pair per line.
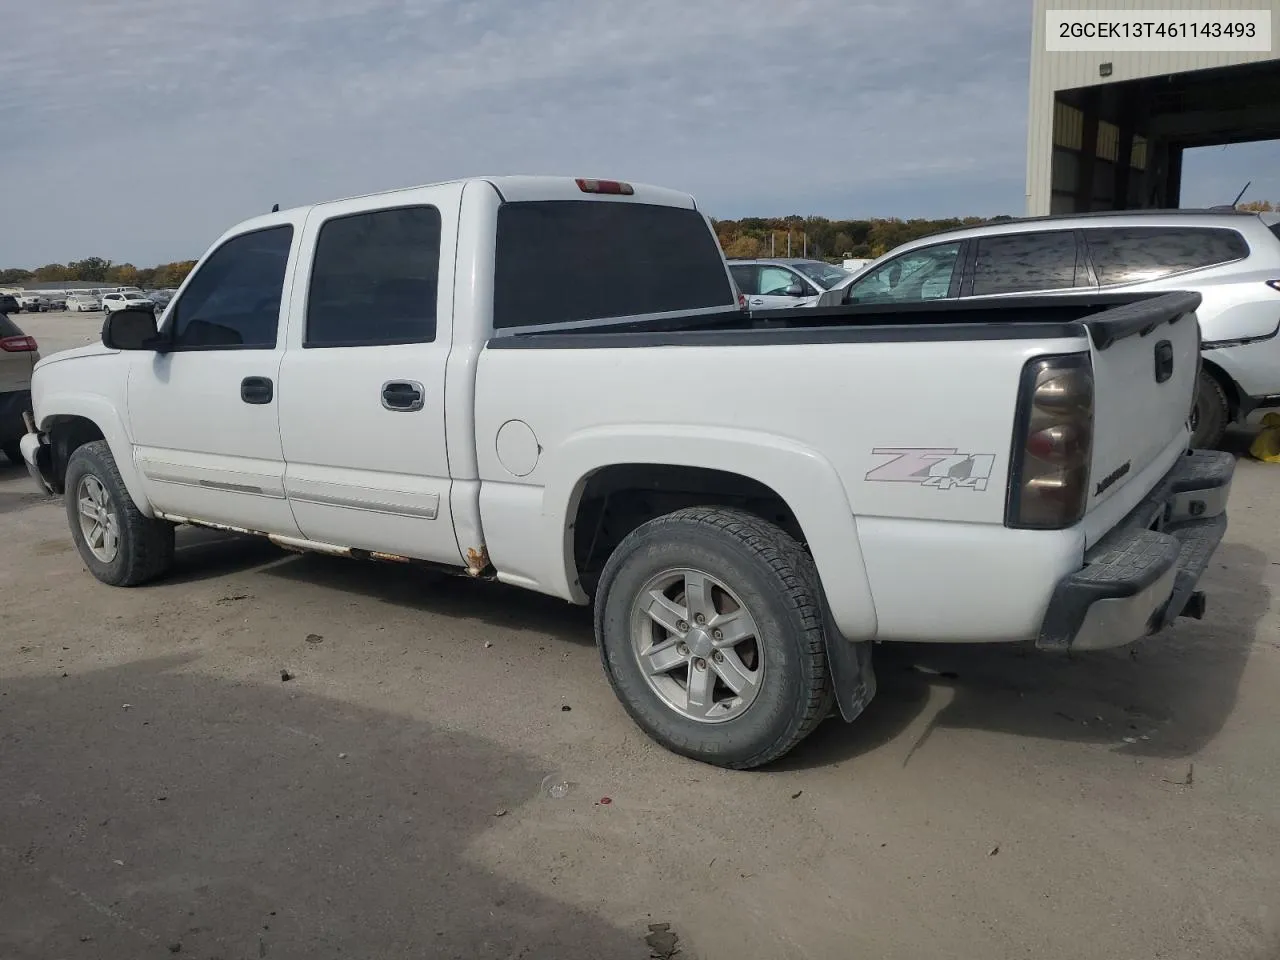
x,y
511,188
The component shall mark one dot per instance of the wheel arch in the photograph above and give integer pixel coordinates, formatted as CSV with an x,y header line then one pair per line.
x,y
69,422
723,465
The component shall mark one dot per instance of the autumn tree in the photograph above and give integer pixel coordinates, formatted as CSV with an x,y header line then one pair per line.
x,y
52,272
90,268
123,275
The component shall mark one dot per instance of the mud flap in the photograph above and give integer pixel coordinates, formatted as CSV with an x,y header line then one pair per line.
x,y
852,675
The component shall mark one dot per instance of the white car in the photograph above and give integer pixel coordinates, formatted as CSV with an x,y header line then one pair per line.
x,y
782,284
34,303
111,302
465,376
83,302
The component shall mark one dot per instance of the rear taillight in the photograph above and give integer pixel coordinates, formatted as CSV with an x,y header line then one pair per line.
x,y
18,344
742,301
1053,443
605,186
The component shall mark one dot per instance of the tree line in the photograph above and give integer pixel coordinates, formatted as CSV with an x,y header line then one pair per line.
x,y
819,237
824,239
98,270
836,239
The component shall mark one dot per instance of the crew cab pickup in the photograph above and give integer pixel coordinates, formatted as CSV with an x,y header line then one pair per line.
x,y
549,382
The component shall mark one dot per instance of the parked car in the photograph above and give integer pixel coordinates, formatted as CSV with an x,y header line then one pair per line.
x,y
160,298
778,284
1231,258
18,356
83,302
9,303
111,302
465,376
33,303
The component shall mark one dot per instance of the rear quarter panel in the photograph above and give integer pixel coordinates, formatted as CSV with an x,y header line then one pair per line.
x,y
841,431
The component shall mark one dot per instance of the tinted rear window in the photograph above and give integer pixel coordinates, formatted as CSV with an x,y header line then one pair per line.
x,y
566,260
1025,262
8,328
1134,254
1275,229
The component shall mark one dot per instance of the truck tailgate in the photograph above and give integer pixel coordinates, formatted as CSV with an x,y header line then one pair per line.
x,y
1145,364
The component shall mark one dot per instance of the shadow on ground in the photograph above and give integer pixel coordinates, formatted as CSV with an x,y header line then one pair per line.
x,y
1175,689
221,819
205,554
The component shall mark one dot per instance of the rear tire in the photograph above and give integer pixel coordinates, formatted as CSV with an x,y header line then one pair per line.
x,y
703,693
119,545
13,451
1212,413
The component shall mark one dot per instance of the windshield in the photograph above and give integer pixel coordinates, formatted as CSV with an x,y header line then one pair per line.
x,y
825,275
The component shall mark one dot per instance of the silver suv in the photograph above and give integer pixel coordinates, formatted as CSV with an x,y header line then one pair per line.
x,y
1231,258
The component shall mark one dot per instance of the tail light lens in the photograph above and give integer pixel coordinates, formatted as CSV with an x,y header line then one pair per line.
x,y
742,301
1053,444
18,344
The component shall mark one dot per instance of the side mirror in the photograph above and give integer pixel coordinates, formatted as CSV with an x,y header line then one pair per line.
x,y
796,290
133,328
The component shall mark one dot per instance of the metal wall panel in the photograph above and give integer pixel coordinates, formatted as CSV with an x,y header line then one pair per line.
x,y
1054,71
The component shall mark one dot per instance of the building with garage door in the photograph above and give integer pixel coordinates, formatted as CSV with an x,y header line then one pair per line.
x,y
1107,127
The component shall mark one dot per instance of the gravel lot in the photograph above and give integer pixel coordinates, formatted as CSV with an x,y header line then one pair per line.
x,y
162,789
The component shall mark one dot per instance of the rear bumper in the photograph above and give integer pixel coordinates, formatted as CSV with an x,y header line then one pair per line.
x,y
12,407
1142,575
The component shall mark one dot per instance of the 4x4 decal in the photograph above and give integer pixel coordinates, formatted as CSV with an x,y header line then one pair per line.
x,y
943,468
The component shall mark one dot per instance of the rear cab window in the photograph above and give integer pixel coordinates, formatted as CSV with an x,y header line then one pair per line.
x,y
573,261
1135,254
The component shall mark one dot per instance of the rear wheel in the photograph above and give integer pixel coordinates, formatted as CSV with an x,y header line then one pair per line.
x,y
1211,414
118,544
711,633
13,451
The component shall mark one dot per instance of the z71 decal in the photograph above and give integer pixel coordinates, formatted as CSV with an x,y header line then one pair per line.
x,y
938,467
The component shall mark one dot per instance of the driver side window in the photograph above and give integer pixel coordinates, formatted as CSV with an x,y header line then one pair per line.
x,y
233,301
774,281
919,275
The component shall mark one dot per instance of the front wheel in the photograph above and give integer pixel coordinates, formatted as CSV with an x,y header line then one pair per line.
x,y
711,632
118,544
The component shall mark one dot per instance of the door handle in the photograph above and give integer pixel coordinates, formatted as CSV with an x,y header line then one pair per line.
x,y
403,396
1164,361
757,301
256,390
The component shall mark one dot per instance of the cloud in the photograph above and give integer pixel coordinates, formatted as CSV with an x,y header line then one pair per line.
x,y
149,126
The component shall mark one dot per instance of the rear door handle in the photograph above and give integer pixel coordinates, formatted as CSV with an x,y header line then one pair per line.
x,y
403,396
757,301
257,389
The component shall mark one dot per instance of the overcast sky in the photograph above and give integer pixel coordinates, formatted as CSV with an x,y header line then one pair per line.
x,y
139,130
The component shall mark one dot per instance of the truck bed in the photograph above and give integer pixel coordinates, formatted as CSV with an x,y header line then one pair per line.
x,y
1108,318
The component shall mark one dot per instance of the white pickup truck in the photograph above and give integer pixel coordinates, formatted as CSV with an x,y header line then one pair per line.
x,y
549,382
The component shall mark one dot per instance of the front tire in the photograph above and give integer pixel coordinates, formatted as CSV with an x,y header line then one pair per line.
x,y
1211,414
711,631
119,545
